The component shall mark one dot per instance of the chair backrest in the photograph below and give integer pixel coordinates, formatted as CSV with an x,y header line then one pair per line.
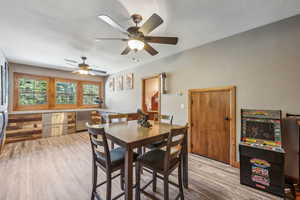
x,y
166,119
99,144
174,145
117,117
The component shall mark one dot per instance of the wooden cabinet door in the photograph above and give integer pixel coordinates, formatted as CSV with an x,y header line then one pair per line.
x,y
210,133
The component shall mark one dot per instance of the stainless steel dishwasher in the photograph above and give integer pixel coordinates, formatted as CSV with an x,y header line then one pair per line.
x,y
82,117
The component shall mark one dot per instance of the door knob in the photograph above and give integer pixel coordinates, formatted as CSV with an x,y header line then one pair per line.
x,y
226,118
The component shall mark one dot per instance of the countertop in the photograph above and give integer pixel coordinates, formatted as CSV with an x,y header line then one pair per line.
x,y
104,110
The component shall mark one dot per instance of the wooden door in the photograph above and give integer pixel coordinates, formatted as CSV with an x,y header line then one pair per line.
x,y
210,130
151,93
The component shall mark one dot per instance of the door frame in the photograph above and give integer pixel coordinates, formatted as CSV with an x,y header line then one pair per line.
x,y
159,91
232,93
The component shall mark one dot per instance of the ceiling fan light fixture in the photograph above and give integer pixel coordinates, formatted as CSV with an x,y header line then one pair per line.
x,y
81,71
135,44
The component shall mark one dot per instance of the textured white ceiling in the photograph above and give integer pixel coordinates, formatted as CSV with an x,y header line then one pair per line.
x,y
44,32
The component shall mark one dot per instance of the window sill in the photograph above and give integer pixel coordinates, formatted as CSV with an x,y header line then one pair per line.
x,y
55,110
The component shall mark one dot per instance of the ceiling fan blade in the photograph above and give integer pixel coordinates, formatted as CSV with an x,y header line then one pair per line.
x,y
72,64
150,49
113,24
121,39
70,60
161,40
92,73
126,51
98,70
153,22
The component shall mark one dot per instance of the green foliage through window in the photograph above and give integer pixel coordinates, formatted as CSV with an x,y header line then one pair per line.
x,y
66,93
32,91
90,93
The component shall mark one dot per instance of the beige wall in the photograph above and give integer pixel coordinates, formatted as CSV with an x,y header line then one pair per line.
x,y
34,70
263,63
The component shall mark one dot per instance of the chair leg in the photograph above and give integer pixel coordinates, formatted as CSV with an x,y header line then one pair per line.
x,y
94,181
112,145
166,187
180,181
140,152
138,181
108,186
122,179
154,181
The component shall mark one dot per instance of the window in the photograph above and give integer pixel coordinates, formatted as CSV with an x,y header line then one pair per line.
x,y
66,92
90,93
32,92
39,93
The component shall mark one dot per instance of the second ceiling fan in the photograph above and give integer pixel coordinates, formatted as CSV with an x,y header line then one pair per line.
x,y
137,35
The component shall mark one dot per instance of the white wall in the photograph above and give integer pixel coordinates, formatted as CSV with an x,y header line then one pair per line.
x,y
2,58
263,63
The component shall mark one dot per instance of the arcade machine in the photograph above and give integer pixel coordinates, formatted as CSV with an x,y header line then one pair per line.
x,y
261,154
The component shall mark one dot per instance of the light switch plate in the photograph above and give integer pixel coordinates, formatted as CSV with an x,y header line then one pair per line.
x,y
182,106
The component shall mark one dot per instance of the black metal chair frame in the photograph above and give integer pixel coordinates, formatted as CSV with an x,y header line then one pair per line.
x,y
169,167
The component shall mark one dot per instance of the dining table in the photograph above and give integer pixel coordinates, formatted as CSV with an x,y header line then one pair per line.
x,y
131,136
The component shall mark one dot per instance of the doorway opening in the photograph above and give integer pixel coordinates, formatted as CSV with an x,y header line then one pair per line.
x,y
212,119
151,96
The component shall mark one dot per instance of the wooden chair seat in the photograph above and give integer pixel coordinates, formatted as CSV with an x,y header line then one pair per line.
x,y
155,160
156,145
117,157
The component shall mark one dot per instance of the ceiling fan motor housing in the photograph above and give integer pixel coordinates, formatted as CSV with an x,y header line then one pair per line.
x,y
134,31
136,18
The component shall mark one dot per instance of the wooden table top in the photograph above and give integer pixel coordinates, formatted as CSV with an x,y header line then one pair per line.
x,y
130,133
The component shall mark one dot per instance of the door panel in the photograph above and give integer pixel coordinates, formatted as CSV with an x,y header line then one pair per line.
x,y
210,128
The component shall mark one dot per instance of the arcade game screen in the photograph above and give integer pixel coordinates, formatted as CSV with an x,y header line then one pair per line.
x,y
261,126
260,130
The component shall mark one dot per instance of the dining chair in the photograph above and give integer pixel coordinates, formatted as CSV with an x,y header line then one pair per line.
x,y
161,119
117,118
108,160
163,162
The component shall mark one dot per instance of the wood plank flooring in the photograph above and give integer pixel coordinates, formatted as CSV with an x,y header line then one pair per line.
x,y
59,168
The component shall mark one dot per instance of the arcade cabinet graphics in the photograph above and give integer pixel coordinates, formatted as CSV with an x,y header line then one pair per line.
x,y
261,155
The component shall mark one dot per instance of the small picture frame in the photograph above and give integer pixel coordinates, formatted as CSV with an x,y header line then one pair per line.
x,y
128,81
111,84
119,83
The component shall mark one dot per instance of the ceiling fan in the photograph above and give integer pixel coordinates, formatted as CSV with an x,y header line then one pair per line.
x,y
84,68
137,35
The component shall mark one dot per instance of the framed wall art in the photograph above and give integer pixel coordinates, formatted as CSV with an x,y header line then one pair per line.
x,y
128,81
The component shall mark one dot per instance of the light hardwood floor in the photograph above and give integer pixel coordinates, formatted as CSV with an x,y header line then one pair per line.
x,y
59,168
